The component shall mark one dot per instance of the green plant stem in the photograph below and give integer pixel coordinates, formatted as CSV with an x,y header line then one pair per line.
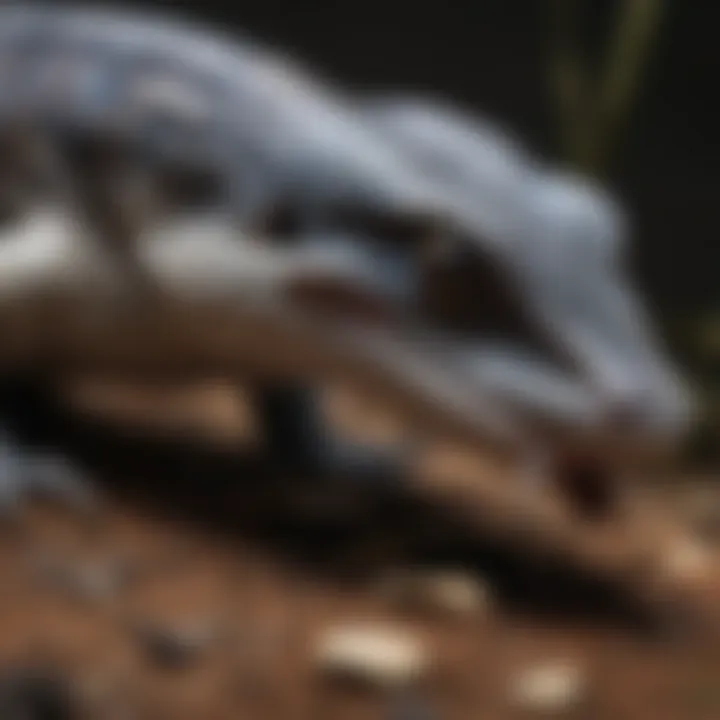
x,y
627,58
591,122
567,77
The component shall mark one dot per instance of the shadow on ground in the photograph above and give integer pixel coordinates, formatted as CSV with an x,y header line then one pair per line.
x,y
331,528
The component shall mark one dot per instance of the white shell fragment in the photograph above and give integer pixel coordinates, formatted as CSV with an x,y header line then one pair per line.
x,y
686,560
445,592
549,689
379,655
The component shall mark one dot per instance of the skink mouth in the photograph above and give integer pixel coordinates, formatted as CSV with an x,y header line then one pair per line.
x,y
566,412
642,400
653,417
588,448
543,367
639,399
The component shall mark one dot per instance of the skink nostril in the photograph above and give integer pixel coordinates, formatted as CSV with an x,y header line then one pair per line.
x,y
629,413
646,415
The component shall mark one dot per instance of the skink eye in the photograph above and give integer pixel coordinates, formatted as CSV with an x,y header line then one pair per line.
x,y
282,222
191,188
331,297
412,229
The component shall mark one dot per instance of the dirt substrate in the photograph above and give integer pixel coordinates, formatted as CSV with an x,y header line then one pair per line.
x,y
255,568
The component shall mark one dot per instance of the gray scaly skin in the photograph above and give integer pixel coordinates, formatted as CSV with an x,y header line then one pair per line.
x,y
275,137
185,96
558,241
230,305
561,241
177,96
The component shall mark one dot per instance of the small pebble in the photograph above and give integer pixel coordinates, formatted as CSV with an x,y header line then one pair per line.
x,y
176,647
687,560
91,581
553,688
412,706
98,582
702,509
380,656
451,593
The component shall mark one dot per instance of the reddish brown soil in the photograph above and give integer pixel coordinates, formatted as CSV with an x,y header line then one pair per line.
x,y
274,560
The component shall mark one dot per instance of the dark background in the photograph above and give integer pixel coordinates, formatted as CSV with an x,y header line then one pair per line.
x,y
492,54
